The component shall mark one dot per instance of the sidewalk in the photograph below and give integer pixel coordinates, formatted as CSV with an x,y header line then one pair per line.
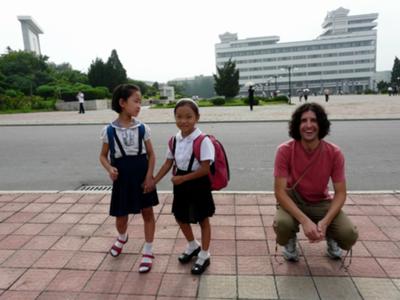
x,y
347,107
55,246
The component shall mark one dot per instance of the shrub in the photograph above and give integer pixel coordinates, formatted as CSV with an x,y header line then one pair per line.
x,y
12,93
218,101
46,91
282,98
99,92
255,102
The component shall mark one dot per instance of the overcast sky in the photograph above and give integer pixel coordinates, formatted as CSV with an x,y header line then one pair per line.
x,y
160,40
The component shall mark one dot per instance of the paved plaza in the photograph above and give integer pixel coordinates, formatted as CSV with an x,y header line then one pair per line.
x,y
55,246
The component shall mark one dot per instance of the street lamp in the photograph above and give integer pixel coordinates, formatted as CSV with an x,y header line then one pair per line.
x,y
276,82
289,69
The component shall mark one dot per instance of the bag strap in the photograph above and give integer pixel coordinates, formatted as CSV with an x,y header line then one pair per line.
x,y
141,137
308,167
118,142
111,146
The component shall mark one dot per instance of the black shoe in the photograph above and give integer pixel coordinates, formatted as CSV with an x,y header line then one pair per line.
x,y
185,258
198,269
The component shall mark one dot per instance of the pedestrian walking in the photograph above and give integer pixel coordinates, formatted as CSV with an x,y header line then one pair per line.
x,y
81,98
251,96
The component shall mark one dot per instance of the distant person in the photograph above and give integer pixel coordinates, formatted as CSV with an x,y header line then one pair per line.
x,y
81,98
303,168
326,93
390,90
251,96
130,167
193,201
305,93
300,94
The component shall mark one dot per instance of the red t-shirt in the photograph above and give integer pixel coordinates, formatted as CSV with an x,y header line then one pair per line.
x,y
292,159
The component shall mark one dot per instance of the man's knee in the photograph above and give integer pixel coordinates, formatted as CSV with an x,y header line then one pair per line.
x,y
285,228
348,237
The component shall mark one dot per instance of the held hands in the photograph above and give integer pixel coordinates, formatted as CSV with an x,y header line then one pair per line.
x,y
148,185
113,173
177,180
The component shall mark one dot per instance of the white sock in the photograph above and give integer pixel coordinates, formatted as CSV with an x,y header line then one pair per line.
x,y
191,246
118,244
203,255
148,248
123,236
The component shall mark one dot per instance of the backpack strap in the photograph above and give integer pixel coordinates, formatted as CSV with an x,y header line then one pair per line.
x,y
197,146
118,142
172,146
111,146
141,130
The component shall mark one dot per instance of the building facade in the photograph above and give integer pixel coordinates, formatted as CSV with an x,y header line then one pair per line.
x,y
342,58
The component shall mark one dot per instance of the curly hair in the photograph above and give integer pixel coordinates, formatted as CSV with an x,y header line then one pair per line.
x,y
122,91
322,120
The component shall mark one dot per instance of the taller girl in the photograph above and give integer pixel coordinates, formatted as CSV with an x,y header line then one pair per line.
x,y
131,167
193,201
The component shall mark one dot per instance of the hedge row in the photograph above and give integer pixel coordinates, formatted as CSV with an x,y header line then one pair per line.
x,y
68,93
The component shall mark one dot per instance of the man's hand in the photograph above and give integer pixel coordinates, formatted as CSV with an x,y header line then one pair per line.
x,y
312,232
322,226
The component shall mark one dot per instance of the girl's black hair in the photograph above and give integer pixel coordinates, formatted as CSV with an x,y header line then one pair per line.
x,y
122,91
322,120
189,102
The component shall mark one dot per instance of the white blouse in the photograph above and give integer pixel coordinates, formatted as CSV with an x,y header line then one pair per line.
x,y
128,136
184,150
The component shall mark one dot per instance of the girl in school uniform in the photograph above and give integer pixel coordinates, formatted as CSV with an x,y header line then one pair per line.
x,y
131,167
193,202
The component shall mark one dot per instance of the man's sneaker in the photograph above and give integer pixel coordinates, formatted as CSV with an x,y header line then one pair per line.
x,y
290,252
333,249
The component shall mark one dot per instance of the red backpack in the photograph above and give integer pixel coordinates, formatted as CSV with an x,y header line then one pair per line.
x,y
219,170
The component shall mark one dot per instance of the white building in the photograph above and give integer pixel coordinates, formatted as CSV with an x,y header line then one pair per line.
x,y
342,58
30,34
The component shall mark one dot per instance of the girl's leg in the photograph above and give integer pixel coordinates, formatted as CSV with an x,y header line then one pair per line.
x,y
203,258
121,223
193,246
149,224
205,234
186,230
149,229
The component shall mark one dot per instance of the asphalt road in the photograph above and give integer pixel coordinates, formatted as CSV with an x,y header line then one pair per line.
x,y
66,157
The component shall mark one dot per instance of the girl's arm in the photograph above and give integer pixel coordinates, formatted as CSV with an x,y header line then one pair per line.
x,y
149,182
112,171
163,170
200,172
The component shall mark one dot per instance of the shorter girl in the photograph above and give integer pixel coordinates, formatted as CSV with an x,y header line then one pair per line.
x,y
193,201
131,167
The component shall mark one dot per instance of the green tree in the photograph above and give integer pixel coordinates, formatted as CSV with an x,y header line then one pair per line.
x,y
97,73
227,80
382,86
116,74
24,71
396,71
64,73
